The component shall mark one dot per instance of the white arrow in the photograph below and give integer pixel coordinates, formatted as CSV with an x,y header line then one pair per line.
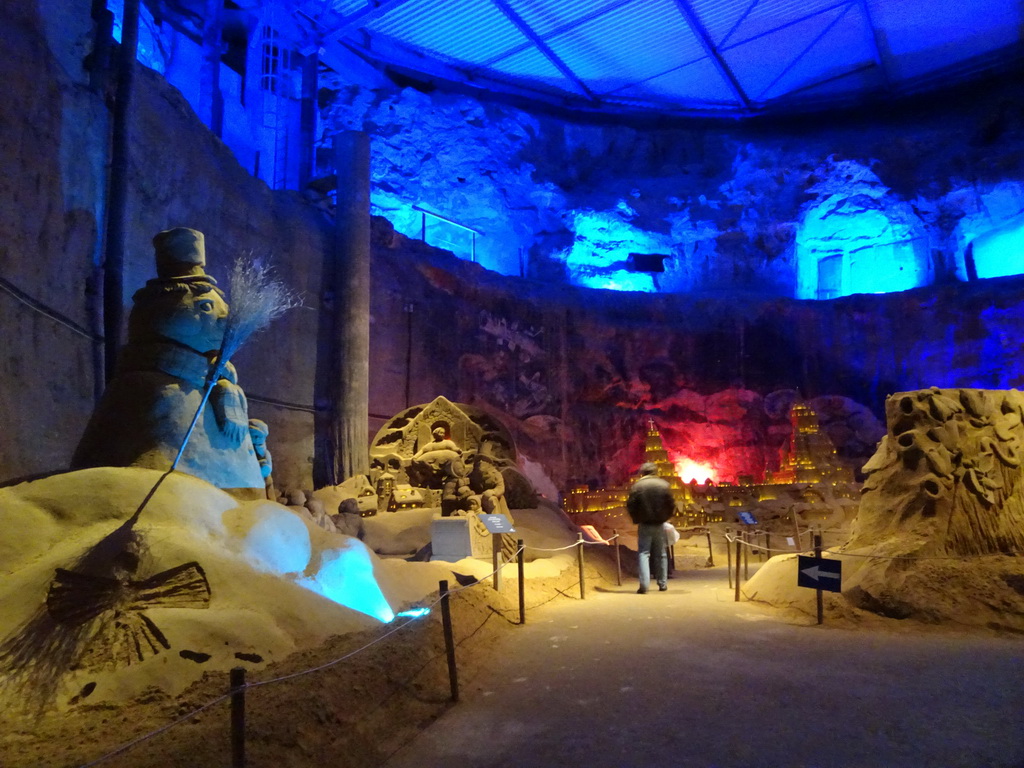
x,y
815,573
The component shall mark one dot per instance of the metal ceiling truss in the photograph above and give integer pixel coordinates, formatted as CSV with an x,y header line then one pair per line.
x,y
709,48
800,56
543,47
329,27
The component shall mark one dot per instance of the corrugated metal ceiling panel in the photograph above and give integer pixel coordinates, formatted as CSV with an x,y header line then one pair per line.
x,y
547,16
456,30
531,64
720,16
770,15
947,33
635,42
846,47
695,82
344,7
644,49
758,63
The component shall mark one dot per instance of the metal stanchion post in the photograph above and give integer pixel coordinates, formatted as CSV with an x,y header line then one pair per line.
x,y
522,582
495,560
728,554
449,640
579,557
746,555
738,557
618,563
817,555
238,717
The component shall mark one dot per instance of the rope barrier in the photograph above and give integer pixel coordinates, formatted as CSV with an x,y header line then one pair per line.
x,y
282,678
732,538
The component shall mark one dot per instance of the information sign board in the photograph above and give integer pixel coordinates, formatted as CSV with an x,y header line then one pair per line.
x,y
819,573
496,523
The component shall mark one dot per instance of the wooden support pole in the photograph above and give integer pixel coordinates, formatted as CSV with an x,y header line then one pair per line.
x,y
238,717
818,595
449,640
728,555
739,557
579,558
767,545
711,552
521,556
618,564
117,188
496,560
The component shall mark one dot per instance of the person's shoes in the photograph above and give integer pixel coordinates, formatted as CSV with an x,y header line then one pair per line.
x,y
641,591
662,587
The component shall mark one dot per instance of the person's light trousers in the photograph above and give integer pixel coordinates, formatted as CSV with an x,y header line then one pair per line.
x,y
651,539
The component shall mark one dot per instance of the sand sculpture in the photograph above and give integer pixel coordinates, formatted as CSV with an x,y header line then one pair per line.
x,y
943,510
175,329
447,455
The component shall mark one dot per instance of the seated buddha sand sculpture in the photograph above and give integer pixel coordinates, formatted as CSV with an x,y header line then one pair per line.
x,y
174,332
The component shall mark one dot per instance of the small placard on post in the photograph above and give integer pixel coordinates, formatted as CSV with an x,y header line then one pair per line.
x,y
496,523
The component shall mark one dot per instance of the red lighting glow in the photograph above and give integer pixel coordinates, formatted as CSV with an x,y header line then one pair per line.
x,y
688,470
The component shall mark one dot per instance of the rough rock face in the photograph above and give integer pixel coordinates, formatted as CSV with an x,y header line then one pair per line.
x,y
866,203
943,510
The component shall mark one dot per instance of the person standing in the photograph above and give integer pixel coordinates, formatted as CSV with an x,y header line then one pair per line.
x,y
650,505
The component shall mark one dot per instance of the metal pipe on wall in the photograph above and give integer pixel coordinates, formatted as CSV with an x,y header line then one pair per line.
x,y
117,191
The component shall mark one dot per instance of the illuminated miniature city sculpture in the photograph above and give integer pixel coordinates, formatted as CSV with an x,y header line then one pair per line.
x,y
809,455
811,484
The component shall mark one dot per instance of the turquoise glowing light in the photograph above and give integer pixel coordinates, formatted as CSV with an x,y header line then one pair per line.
x,y
346,577
999,251
277,542
413,613
599,254
847,246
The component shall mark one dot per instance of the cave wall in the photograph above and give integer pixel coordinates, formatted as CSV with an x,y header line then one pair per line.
x,y
896,191
54,148
574,372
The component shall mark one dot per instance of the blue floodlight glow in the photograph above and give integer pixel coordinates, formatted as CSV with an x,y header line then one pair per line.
x,y
998,252
149,52
604,240
346,577
845,248
413,613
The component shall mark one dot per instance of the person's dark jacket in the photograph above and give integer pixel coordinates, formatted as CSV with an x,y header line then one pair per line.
x,y
650,500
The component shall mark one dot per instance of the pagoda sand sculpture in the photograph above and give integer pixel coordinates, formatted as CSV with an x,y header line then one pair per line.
x,y
175,331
